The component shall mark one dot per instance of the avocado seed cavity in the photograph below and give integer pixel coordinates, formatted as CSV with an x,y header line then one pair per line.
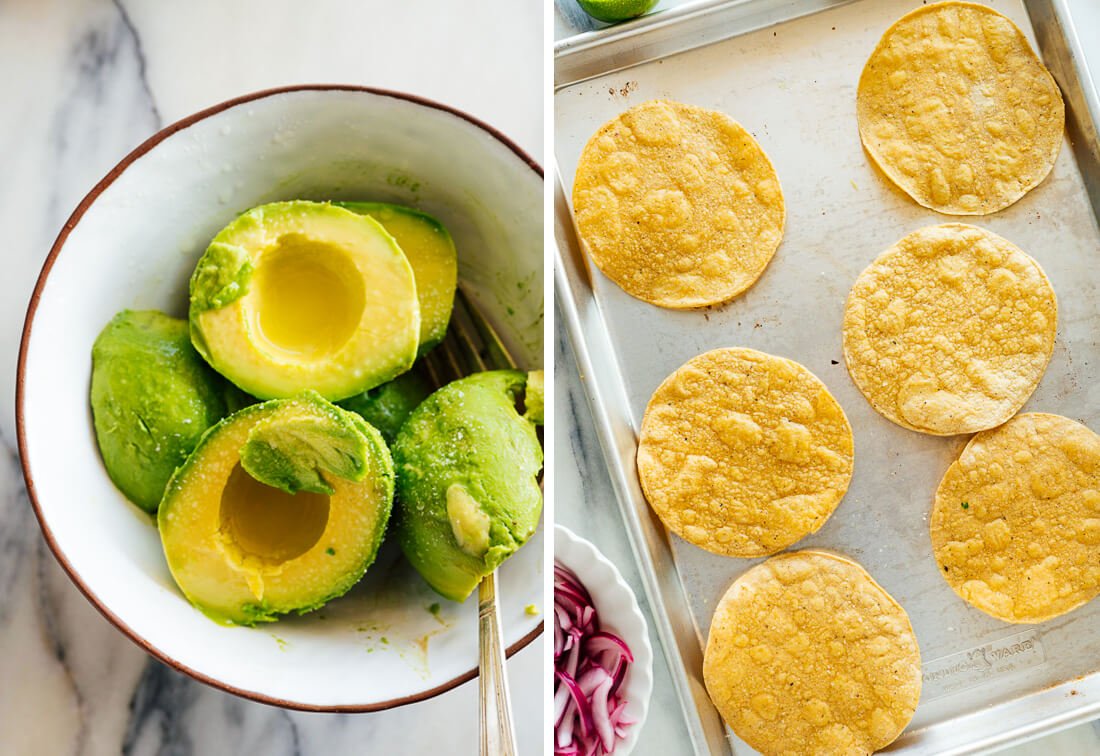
x,y
309,297
267,525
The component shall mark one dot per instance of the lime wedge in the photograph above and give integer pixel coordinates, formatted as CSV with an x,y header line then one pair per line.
x,y
616,10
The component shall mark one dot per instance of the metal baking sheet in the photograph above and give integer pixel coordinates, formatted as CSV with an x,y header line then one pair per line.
x,y
788,72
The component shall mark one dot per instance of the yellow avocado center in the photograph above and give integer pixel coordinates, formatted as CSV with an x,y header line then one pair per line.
x,y
268,524
309,297
469,524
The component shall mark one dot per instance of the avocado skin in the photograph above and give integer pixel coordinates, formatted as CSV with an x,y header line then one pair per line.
x,y
614,13
469,433
235,399
386,407
152,398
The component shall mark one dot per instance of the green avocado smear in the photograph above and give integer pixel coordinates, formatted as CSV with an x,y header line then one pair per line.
x,y
467,469
152,399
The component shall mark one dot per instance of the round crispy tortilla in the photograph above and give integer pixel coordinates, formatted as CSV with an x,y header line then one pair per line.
x,y
678,204
958,111
807,654
1016,523
743,453
950,330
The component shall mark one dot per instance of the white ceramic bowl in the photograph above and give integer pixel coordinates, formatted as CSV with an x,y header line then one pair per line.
x,y
133,241
619,613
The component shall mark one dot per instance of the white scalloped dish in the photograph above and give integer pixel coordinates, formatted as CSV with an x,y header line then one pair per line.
x,y
618,613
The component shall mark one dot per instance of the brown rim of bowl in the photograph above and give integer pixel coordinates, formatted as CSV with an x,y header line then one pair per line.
x,y
28,323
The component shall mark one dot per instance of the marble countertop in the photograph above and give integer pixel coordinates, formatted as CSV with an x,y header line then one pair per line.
x,y
86,81
585,499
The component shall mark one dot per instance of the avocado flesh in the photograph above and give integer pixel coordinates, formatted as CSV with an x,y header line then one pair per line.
x,y
301,295
431,254
386,407
535,397
245,552
468,494
152,399
295,454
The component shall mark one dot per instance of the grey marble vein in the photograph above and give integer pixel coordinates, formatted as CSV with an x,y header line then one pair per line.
x,y
156,709
104,109
16,522
139,53
52,633
106,103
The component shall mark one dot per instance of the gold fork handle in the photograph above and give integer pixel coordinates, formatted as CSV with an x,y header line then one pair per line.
x,y
497,738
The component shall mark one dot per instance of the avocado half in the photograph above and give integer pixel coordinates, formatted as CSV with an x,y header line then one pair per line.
x,y
467,464
431,254
280,508
152,399
303,295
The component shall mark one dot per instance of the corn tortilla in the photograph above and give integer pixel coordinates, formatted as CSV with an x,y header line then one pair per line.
x,y
807,654
957,110
950,330
743,453
1016,522
678,204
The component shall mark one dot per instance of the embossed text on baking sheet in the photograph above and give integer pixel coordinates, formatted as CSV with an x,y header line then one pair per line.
x,y
965,669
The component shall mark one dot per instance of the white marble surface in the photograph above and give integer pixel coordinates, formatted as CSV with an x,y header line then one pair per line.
x,y
84,82
585,500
